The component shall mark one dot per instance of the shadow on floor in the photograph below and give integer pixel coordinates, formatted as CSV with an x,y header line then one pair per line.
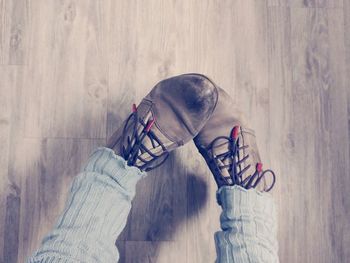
x,y
164,200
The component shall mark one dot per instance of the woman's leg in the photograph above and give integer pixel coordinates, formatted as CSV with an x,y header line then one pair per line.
x,y
248,223
95,214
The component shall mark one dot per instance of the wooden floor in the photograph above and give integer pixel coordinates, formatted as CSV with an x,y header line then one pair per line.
x,y
70,69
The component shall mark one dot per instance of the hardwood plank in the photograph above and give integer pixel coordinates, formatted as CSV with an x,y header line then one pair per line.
x,y
120,244
339,138
154,216
281,133
5,116
38,75
141,53
315,94
317,42
310,48
347,52
25,156
15,38
13,28
122,89
202,211
11,231
47,170
67,72
307,3
10,88
2,29
143,251
8,188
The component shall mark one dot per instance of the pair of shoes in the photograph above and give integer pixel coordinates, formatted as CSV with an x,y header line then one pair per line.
x,y
192,107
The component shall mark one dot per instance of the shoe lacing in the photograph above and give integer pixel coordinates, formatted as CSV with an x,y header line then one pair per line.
x,y
235,163
132,147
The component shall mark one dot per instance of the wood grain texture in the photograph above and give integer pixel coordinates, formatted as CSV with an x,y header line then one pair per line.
x,y
309,47
13,27
318,86
340,156
347,53
2,29
8,190
308,3
281,144
150,251
70,71
70,77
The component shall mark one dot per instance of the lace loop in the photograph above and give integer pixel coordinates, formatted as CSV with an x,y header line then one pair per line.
x,y
134,143
235,160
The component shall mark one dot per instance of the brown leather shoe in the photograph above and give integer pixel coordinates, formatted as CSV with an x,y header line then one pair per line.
x,y
169,116
230,150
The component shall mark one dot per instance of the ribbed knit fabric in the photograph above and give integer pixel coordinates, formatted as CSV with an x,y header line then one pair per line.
x,y
95,214
100,201
248,223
